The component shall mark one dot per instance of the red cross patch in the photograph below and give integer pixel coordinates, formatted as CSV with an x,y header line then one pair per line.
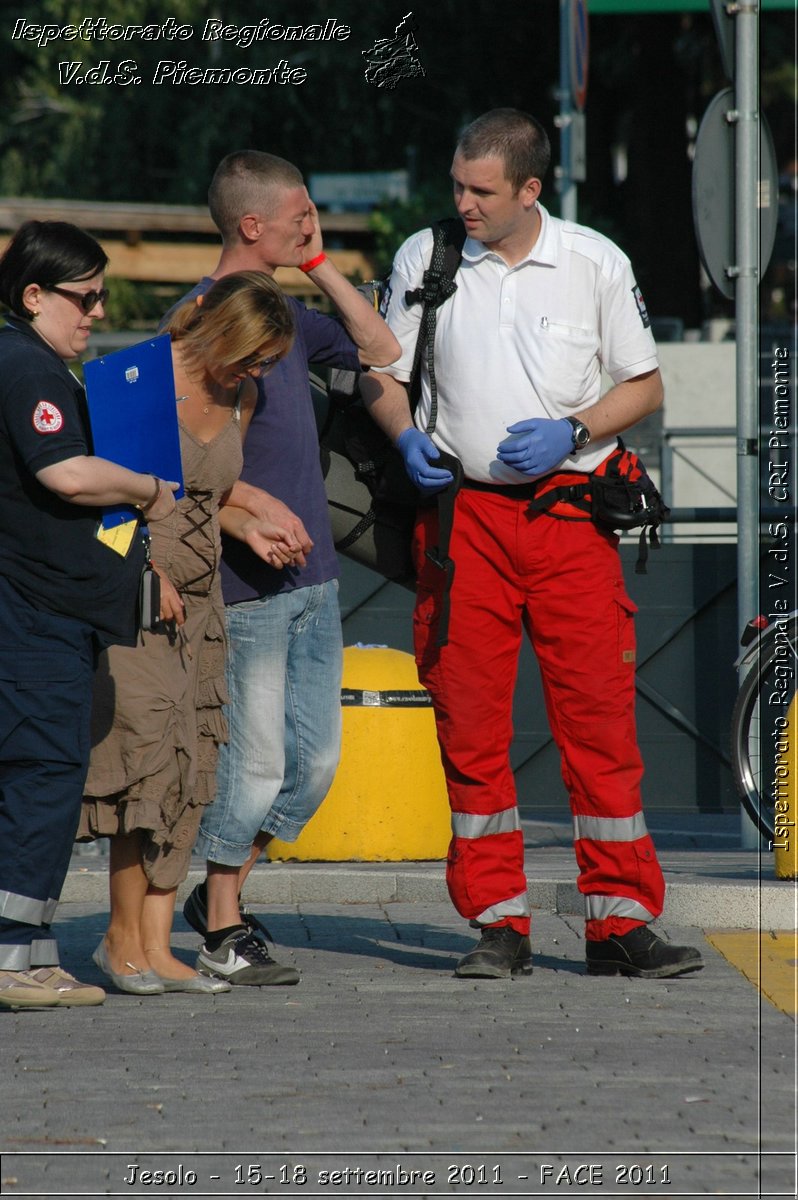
x,y
47,418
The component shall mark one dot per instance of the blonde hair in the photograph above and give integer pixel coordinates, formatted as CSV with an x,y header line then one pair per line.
x,y
241,315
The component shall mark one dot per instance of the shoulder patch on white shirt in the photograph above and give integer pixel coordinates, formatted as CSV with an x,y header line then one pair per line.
x,y
641,307
47,418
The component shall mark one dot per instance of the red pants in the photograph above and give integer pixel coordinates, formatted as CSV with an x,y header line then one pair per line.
x,y
562,582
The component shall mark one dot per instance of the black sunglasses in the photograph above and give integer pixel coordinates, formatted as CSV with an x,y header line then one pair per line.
x,y
86,300
256,360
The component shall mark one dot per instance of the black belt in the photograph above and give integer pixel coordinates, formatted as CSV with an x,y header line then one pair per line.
x,y
515,491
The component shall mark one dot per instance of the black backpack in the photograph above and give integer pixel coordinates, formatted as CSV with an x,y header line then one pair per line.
x,y
372,502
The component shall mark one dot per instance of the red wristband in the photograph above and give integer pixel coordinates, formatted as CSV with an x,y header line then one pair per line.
x,y
313,262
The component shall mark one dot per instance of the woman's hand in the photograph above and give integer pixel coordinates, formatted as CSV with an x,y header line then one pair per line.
x,y
266,542
276,541
172,607
281,524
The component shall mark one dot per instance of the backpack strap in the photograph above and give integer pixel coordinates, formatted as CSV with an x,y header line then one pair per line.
x,y
439,555
437,285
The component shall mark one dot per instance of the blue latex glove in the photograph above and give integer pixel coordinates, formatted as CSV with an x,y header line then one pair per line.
x,y
538,446
418,452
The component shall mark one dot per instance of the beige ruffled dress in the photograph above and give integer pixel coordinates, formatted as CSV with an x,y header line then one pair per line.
x,y
157,717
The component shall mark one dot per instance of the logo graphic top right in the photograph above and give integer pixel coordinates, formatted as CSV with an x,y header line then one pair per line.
x,y
395,58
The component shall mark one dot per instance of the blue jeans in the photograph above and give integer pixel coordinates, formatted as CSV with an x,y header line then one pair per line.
x,y
284,666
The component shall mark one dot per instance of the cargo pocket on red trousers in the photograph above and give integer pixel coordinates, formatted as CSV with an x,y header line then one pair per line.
x,y
482,872
650,880
625,613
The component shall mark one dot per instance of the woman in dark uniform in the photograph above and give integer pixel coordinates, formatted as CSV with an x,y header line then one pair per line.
x,y
64,593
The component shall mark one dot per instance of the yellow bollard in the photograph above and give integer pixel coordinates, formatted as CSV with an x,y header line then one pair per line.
x,y
388,799
785,839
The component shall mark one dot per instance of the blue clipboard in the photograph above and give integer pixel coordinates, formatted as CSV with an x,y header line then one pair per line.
x,y
133,414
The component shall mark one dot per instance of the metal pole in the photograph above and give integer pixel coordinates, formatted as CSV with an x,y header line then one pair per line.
x,y
747,324
566,185
666,478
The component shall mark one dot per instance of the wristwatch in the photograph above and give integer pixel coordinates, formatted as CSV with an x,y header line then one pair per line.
x,y
581,434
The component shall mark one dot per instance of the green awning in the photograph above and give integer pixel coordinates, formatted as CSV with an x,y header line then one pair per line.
x,y
597,7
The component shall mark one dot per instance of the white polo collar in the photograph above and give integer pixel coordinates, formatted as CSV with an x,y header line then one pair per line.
x,y
544,251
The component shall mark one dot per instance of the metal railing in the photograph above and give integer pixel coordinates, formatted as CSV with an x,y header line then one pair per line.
x,y
705,514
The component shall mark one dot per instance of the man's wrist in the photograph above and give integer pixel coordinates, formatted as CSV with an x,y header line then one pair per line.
x,y
580,434
312,263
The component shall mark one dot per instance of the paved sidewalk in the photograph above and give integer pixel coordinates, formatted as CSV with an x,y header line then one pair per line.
x,y
380,1059
712,884
383,1075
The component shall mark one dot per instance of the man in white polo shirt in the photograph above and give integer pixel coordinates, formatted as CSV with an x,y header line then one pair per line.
x,y
541,305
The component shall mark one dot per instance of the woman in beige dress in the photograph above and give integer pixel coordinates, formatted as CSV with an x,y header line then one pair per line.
x,y
157,718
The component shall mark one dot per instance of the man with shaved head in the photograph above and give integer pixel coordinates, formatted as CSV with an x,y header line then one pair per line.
x,y
283,621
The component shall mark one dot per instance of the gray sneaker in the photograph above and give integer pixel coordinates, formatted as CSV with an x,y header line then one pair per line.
x,y
243,958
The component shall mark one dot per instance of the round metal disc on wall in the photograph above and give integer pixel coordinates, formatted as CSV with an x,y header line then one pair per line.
x,y
714,191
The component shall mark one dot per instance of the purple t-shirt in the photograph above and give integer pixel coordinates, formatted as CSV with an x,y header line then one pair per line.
x,y
281,455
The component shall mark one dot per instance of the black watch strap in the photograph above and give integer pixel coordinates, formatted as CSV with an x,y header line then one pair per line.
x,y
581,434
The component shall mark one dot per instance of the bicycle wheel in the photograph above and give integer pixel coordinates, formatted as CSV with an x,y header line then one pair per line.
x,y
762,701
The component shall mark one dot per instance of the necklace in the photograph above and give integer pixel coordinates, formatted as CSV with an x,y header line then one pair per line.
x,y
206,408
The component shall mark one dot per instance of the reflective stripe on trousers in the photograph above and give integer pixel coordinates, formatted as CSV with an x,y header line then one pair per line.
x,y
601,908
42,952
474,833
625,842
24,908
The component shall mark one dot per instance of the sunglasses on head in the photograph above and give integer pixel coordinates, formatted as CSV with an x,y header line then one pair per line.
x,y
86,300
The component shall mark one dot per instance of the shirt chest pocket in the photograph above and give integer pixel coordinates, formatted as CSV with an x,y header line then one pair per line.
x,y
567,361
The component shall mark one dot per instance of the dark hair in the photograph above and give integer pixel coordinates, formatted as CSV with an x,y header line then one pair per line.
x,y
515,137
248,181
47,253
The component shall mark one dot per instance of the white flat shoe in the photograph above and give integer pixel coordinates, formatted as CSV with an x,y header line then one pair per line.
x,y
142,983
195,983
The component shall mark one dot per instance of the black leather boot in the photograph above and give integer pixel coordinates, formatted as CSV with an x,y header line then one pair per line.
x,y
500,953
640,952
